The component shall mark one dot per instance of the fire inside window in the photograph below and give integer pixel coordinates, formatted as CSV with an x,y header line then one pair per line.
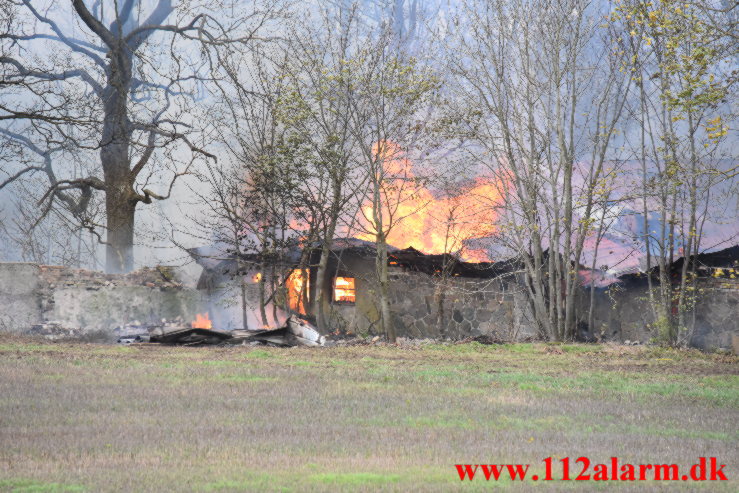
x,y
344,291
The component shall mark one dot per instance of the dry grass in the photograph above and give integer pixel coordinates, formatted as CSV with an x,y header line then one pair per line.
x,y
77,417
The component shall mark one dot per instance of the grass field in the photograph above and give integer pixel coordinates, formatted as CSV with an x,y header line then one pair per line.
x,y
79,417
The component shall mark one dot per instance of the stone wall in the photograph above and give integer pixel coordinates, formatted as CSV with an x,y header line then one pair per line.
x,y
717,314
623,313
498,308
32,294
469,307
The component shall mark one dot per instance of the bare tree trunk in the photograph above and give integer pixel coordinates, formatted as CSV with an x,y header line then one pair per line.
x,y
439,298
591,308
645,208
120,197
274,285
382,270
120,224
262,294
244,311
322,300
692,226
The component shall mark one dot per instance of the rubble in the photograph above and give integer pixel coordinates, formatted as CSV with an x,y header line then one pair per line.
x,y
295,332
162,277
136,331
189,336
55,331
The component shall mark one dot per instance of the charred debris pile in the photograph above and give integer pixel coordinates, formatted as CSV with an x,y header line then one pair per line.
x,y
295,332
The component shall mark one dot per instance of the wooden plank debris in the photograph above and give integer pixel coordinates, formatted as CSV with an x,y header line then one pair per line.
x,y
295,332
191,336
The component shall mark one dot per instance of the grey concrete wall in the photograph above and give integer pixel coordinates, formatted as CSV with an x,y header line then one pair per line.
x,y
32,294
20,304
110,307
717,316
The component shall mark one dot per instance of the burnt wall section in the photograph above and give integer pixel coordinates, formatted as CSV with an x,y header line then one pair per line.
x,y
89,300
225,304
622,312
498,308
474,300
717,314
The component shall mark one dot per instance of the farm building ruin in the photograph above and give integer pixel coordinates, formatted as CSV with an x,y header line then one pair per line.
x,y
431,296
441,296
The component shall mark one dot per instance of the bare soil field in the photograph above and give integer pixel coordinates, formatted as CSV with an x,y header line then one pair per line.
x,y
87,417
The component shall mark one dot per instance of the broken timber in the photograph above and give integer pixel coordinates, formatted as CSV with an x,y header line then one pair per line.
x,y
295,332
191,337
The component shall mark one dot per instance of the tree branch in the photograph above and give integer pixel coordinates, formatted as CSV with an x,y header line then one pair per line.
x,y
153,23
24,72
69,42
22,172
95,25
30,37
121,18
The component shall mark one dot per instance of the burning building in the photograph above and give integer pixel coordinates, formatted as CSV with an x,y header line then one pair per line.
x,y
430,295
437,295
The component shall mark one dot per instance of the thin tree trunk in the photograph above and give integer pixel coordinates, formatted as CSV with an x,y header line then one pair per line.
x,y
382,269
692,226
262,294
244,311
274,284
439,299
591,308
321,292
645,209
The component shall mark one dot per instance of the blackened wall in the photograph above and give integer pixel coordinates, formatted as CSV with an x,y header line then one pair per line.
x,y
623,312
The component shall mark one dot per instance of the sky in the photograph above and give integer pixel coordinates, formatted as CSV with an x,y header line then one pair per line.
x,y
621,250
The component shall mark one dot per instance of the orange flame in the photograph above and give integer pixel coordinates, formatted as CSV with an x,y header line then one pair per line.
x,y
202,321
432,224
295,284
344,289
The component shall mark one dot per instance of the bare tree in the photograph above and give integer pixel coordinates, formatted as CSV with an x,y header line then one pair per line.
x,y
253,194
316,111
677,52
390,91
544,100
123,87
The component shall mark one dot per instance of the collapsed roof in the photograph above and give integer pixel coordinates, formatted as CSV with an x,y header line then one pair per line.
x,y
219,262
412,259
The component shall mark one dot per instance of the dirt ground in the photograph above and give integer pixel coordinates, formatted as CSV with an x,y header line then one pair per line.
x,y
88,417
